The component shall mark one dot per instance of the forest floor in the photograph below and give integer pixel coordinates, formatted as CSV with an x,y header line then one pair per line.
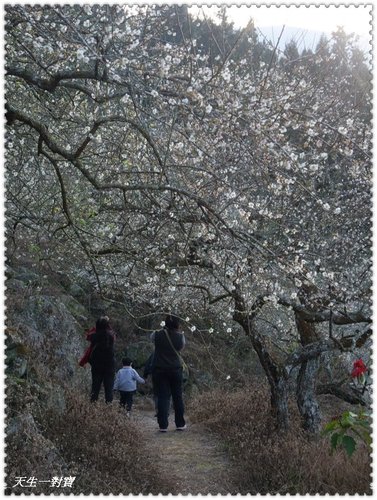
x,y
195,461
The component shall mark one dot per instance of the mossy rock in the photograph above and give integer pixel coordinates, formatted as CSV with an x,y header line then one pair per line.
x,y
77,292
27,276
17,381
16,366
15,284
22,350
56,400
15,352
74,307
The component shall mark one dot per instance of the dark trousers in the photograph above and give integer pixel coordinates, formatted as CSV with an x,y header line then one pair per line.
x,y
102,375
155,401
126,399
168,384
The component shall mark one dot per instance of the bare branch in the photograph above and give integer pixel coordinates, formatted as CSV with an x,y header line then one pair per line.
x,y
336,390
313,350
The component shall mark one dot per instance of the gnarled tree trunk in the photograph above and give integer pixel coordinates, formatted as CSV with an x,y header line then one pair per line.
x,y
279,402
306,381
275,374
306,396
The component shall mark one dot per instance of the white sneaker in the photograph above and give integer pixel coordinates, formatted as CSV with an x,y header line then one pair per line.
x,y
163,430
181,428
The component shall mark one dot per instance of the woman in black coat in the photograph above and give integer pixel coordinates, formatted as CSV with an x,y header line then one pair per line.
x,y
167,372
102,360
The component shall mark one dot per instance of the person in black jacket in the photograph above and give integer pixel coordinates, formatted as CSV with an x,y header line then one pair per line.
x,y
148,371
102,360
167,372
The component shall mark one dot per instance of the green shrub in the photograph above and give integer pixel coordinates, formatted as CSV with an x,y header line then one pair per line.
x,y
347,429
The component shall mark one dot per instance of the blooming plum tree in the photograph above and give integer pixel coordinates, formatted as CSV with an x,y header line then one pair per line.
x,y
192,178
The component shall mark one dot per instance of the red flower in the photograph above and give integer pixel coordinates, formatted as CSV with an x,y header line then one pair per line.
x,y
358,368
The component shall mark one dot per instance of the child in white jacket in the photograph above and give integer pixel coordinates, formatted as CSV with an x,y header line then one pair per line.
x,y
125,382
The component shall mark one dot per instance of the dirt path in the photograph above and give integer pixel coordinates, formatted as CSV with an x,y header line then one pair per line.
x,y
192,458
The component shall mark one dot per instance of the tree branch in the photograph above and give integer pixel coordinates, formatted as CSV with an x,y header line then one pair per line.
x,y
313,350
338,317
337,391
53,81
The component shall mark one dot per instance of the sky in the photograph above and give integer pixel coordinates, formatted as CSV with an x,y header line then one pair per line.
x,y
354,18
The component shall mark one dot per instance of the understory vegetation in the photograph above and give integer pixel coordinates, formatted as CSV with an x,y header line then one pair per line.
x,y
269,462
105,451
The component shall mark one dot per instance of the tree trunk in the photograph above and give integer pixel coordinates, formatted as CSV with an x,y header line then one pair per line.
x,y
279,403
277,381
306,380
275,374
306,399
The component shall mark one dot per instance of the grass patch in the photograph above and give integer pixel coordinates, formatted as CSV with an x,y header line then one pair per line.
x,y
269,463
97,443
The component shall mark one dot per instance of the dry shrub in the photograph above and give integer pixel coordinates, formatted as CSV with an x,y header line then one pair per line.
x,y
98,444
268,462
30,455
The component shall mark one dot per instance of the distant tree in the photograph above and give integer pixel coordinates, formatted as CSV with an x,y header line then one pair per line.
x,y
291,54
